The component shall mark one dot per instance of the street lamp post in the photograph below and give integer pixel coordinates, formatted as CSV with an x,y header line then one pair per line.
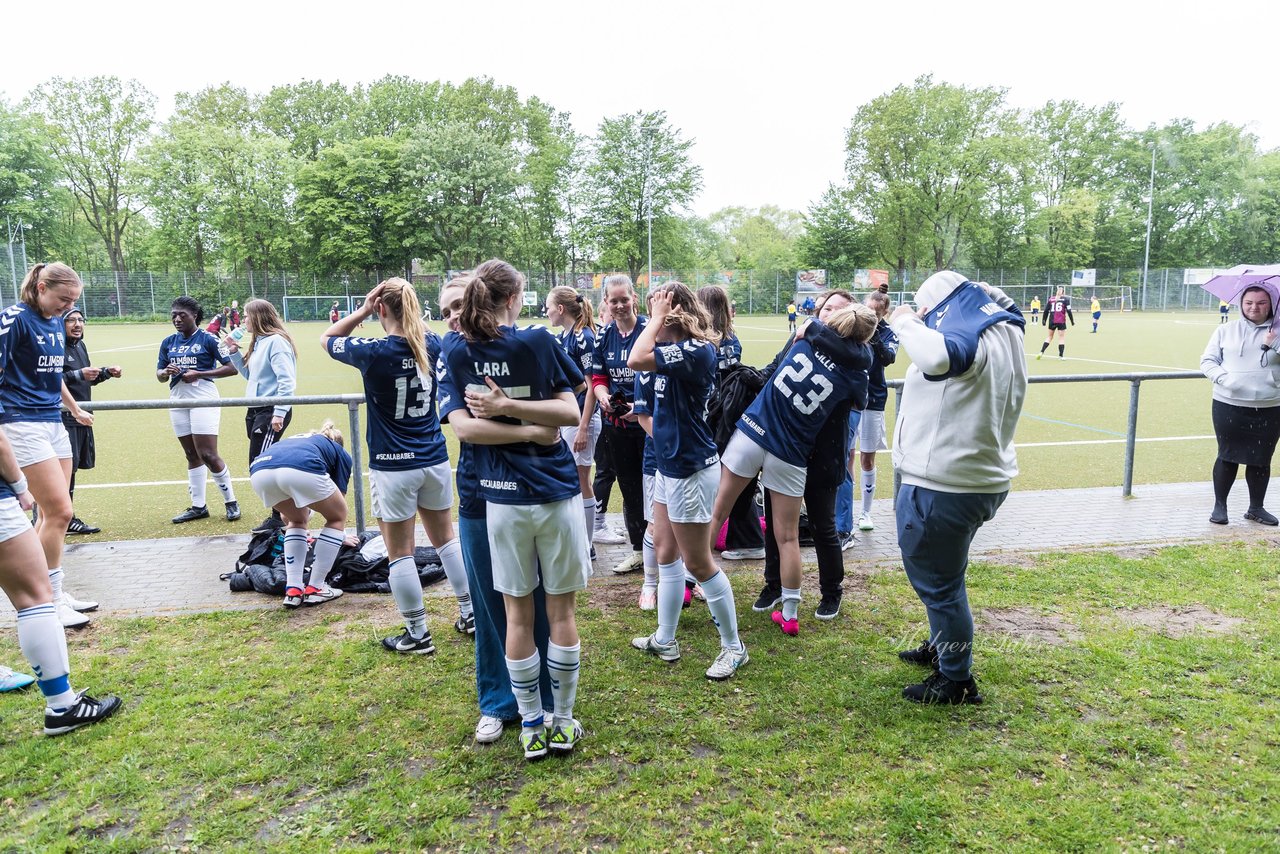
x,y
1146,255
648,132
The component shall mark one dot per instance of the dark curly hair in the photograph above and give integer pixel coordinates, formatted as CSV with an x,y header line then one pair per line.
x,y
188,304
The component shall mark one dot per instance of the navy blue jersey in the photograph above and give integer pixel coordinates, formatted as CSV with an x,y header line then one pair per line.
x,y
644,401
200,352
527,364
316,453
683,382
884,352
32,349
962,318
818,373
610,361
729,352
580,347
403,433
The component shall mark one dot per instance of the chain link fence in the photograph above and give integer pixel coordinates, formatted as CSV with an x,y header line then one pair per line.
x,y
147,295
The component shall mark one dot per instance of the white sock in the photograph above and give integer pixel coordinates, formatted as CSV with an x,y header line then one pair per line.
x,y
650,561
723,610
196,484
868,490
406,587
223,480
44,643
456,571
55,581
525,675
790,602
670,600
562,665
295,556
589,513
327,545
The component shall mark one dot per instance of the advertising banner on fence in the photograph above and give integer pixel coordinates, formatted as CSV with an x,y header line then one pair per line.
x,y
1084,278
811,280
1198,275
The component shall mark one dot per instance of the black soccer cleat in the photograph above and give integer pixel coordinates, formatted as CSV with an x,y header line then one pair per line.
x,y
926,655
406,644
937,689
86,710
79,526
191,514
233,511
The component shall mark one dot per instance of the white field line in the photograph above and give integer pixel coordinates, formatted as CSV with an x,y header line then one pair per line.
x,y
888,450
1031,356
155,347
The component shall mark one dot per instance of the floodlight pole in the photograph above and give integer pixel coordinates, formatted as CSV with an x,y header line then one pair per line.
x,y
13,271
1146,255
648,132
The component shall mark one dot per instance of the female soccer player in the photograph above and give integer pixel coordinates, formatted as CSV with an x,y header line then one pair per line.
x,y
825,367
25,580
679,347
31,391
613,383
304,472
408,462
270,363
533,513
189,361
568,310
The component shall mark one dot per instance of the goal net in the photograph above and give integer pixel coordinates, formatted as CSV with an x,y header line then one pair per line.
x,y
302,308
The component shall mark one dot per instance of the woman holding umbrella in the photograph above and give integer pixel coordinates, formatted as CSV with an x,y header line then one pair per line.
x,y
1242,363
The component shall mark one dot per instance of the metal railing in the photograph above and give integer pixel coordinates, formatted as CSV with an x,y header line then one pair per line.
x,y
1135,381
353,402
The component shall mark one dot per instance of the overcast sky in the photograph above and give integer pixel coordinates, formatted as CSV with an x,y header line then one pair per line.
x,y
767,90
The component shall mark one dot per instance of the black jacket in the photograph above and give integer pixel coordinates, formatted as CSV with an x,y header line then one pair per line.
x,y
73,365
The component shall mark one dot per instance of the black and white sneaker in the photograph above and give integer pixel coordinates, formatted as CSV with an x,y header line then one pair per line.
x,y
79,526
407,644
191,514
86,710
233,511
828,608
270,523
847,540
769,598
465,624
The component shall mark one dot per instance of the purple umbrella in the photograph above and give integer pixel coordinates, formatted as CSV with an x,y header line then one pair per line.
x,y
1229,286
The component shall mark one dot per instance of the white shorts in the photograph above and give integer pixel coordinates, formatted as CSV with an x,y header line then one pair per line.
x,y
303,488
689,499
12,520
36,441
588,454
397,495
649,486
524,537
745,458
195,422
871,435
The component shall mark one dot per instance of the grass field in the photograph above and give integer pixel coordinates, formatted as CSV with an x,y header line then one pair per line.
x,y
1107,726
1070,434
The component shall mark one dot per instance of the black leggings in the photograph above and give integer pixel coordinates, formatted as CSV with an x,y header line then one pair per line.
x,y
820,503
626,451
257,426
1255,477
744,521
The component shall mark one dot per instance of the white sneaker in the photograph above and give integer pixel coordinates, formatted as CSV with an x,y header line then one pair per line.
x,y
728,662
743,554
665,651
77,604
71,619
488,730
608,537
865,523
631,563
648,598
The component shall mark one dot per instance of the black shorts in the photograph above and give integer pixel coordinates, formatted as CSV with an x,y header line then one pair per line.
x,y
83,453
1054,327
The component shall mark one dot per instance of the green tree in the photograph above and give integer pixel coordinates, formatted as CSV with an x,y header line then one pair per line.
x,y
920,159
640,166
834,239
1254,226
543,198
311,115
460,188
28,180
94,128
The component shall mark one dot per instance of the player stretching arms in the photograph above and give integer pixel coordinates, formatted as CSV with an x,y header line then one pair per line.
x,y
826,365
679,347
527,476
32,350
292,475
1056,315
408,463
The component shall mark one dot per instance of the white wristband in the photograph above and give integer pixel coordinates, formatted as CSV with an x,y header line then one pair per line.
x,y
19,486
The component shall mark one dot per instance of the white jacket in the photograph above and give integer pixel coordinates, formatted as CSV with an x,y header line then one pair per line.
x,y
1243,374
956,434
